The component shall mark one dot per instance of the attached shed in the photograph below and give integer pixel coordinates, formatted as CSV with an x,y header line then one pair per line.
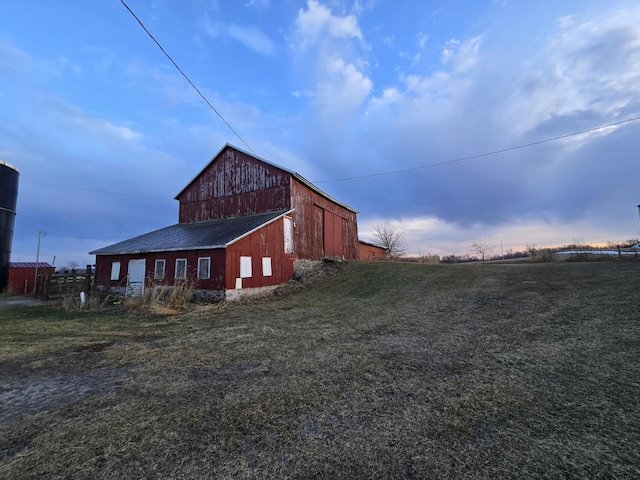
x,y
22,276
244,223
370,251
216,257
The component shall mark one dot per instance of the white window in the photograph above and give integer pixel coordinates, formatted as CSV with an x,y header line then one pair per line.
x,y
288,235
266,267
204,268
245,267
181,268
115,271
158,272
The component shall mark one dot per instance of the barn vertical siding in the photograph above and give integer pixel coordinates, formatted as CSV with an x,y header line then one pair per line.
x,y
268,241
234,184
21,279
369,251
215,282
323,228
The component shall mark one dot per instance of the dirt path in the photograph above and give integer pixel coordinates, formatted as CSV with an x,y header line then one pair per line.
x,y
14,300
26,389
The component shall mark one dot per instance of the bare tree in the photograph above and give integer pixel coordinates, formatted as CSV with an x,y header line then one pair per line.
x,y
482,248
391,239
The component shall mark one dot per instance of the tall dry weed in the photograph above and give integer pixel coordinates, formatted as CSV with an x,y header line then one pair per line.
x,y
73,302
164,300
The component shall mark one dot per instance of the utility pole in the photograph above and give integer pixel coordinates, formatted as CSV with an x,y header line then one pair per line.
x,y
35,280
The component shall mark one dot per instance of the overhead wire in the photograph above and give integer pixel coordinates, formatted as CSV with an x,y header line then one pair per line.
x,y
391,172
188,79
479,155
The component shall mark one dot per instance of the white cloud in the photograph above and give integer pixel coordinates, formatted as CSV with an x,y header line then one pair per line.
x,y
415,58
330,46
317,20
587,68
449,50
343,88
21,67
462,55
484,97
436,93
566,21
82,126
259,4
422,39
433,235
252,38
390,96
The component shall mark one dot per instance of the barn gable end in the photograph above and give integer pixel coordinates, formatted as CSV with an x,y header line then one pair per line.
x,y
233,184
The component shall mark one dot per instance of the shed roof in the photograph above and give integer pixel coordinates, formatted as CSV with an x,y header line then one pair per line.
x,y
295,175
29,265
192,236
364,242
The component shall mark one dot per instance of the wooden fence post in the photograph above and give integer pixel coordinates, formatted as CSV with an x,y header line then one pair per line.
x,y
45,284
87,279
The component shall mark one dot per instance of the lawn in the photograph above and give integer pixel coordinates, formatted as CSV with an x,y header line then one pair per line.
x,y
372,370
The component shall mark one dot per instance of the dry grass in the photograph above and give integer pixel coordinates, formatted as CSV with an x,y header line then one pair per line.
x,y
161,300
377,370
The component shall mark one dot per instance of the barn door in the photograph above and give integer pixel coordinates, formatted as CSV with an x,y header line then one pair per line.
x,y
317,238
135,278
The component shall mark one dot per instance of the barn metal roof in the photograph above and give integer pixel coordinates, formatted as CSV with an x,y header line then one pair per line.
x,y
192,236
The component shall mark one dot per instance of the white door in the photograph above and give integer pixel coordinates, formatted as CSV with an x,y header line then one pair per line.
x,y
135,278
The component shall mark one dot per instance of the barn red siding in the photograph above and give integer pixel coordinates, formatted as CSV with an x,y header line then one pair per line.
x,y
368,251
322,228
215,282
268,241
234,184
21,279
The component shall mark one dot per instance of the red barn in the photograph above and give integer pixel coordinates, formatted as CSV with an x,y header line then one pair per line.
x,y
244,223
22,276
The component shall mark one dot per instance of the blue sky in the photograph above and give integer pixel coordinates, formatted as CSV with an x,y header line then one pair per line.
x,y
105,131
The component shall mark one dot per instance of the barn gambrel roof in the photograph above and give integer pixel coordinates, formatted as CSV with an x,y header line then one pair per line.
x,y
211,234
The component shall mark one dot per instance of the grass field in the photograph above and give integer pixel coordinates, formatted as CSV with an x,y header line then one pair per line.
x,y
373,370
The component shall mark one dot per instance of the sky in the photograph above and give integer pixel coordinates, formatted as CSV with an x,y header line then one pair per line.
x,y
395,108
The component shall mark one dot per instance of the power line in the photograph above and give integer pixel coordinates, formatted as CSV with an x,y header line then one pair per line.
x,y
479,155
187,78
380,174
